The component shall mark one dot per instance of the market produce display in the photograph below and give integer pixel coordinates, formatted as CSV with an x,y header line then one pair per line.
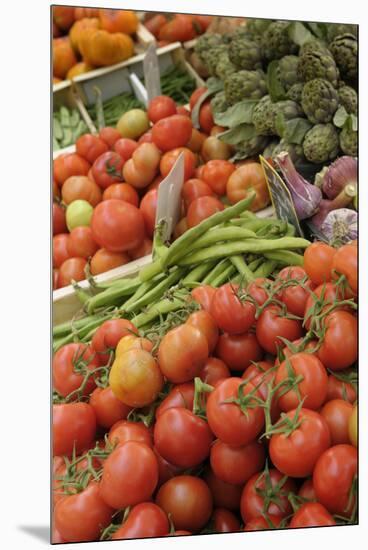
x,y
177,27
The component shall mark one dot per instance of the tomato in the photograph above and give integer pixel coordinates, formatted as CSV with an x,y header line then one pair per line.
x,y
225,521
69,164
261,375
353,426
55,190
110,136
196,95
337,413
312,386
203,295
81,188
143,250
338,389
80,243
266,494
182,395
229,312
83,516
135,378
296,453
295,297
108,408
182,438
161,106
55,279
318,260
333,478
237,464
272,324
216,174
125,147
202,208
131,341
224,494
213,371
103,260
194,188
172,132
243,180
263,523
90,147
60,249
117,225
182,353
145,520
146,137
146,158
257,290
311,514
321,297
154,23
109,333
107,168
179,29
345,262
148,208
188,500
124,430
215,149
307,490
339,349
196,141
56,538
133,123
203,321
123,192
130,475
168,160
72,269
206,121
69,366
239,350
227,421
73,424
58,219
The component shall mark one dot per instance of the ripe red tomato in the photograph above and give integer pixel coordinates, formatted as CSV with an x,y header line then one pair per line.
x,y
168,160
262,523
143,250
182,353
110,136
181,395
202,208
248,177
345,262
73,425
124,430
225,521
55,279
196,141
81,187
311,514
90,147
227,421
69,366
203,321
333,478
318,260
295,297
103,260
339,389
237,464
145,520
307,490
257,290
81,243
123,192
261,374
206,121
125,147
182,438
203,295
146,137
229,312
108,408
337,413
83,516
58,219
148,208
188,500
224,494
272,324
107,168
196,95
296,454
60,249
72,269
171,132
339,349
130,475
239,350
322,297
108,334
194,188
182,110
69,164
213,371
117,225
161,106
216,174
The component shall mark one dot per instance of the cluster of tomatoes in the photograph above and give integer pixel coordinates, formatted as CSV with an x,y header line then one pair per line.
x,y
179,27
241,417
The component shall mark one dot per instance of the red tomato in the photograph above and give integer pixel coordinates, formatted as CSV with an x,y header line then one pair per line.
x,y
171,132
81,243
203,295
227,420
192,440
181,395
307,490
213,371
56,538
261,523
324,295
295,297
90,147
81,187
339,349
104,260
216,173
58,219
70,364
194,188
83,516
318,260
225,521
143,250
125,147
237,464
257,290
224,494
266,494
148,208
123,192
196,141
145,520
202,208
338,389
239,350
146,137
73,425
124,430
203,321
130,475
333,478
311,514
272,324
107,168
165,470
72,269
196,95
337,413
229,312
182,353
154,24
296,454
161,106
108,408
181,110
69,164
110,136
55,279
188,500
179,29
60,249
206,121
108,334
261,374
168,160
345,262
117,225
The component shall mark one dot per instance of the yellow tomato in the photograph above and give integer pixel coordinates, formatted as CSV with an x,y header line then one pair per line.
x,y
130,341
353,426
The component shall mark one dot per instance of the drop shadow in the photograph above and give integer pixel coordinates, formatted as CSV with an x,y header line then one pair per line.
x,y
40,532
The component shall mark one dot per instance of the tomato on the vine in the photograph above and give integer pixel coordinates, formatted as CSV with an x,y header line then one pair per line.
x,y
107,168
144,520
337,413
237,464
108,408
239,350
73,427
231,314
70,365
311,514
273,324
124,430
182,395
339,348
318,259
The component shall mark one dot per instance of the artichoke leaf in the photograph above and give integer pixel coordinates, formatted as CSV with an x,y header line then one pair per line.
x,y
340,117
299,34
237,114
213,85
275,88
238,134
294,130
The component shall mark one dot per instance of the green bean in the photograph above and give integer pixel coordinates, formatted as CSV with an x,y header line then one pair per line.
x,y
239,262
141,290
265,269
216,235
224,276
68,326
217,270
286,257
254,264
162,308
197,274
110,295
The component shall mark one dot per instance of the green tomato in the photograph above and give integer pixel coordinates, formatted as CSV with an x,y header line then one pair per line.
x,y
78,213
353,427
133,123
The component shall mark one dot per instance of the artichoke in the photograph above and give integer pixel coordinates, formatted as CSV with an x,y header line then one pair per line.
x,y
256,27
321,143
344,48
212,56
295,151
251,147
224,67
295,92
219,103
269,149
245,54
245,85
205,42
318,65
336,29
319,100
276,42
348,99
349,142
313,46
265,114
288,71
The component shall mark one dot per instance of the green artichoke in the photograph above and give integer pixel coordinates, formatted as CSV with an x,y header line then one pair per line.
x,y
269,149
212,57
256,27
348,99
344,48
245,85
295,92
313,46
295,151
319,100
219,103
205,42
349,142
276,42
245,54
251,147
321,143
265,114
336,29
224,67
288,70
318,65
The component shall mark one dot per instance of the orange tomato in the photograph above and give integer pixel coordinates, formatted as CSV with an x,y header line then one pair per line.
x,y
103,260
168,160
63,57
245,179
81,188
69,164
118,21
216,174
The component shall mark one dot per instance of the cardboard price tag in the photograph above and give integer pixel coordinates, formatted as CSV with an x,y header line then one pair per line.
x,y
151,71
168,198
140,91
280,196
